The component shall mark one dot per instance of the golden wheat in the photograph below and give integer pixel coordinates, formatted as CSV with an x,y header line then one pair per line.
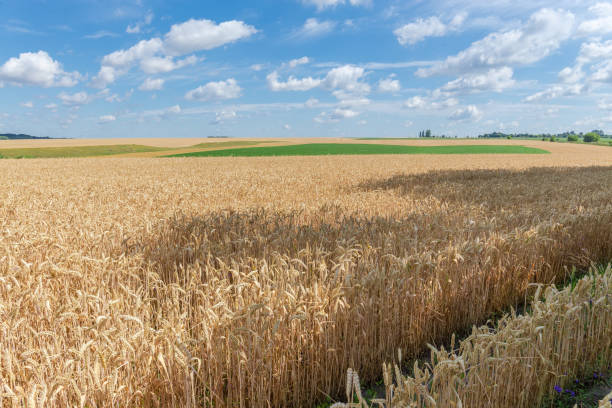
x,y
567,334
258,282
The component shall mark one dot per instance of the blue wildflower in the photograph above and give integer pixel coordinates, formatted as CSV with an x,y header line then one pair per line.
x,y
558,389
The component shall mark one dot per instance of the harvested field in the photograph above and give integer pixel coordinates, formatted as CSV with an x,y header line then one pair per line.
x,y
257,282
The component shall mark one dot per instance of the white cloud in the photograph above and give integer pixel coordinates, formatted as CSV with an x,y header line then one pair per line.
x,y
292,83
469,113
557,91
106,119
125,58
432,102
571,75
535,40
157,56
151,84
323,4
37,69
314,28
100,34
198,35
416,102
133,29
136,28
345,81
176,109
335,116
77,99
27,104
257,67
51,106
159,65
420,29
346,78
496,79
215,91
224,116
389,85
311,103
287,126
106,76
601,24
296,62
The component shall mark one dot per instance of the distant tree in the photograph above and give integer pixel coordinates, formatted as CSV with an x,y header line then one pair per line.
x,y
572,138
428,133
591,137
599,132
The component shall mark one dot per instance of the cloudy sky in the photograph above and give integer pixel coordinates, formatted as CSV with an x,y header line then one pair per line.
x,y
289,68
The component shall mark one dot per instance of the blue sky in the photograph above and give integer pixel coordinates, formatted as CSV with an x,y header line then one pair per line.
x,y
303,68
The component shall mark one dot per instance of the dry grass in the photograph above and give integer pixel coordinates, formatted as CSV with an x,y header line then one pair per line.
x,y
606,402
257,282
567,334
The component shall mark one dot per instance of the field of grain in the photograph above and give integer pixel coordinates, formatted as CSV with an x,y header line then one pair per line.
x,y
256,282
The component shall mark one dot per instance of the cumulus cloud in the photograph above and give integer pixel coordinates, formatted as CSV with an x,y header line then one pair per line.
x,y
224,116
416,102
37,69
311,103
160,65
601,24
431,102
296,62
314,28
496,79
323,4
571,75
420,29
77,99
469,113
212,91
292,83
557,91
151,84
157,55
27,104
136,28
389,85
542,34
344,81
198,35
106,119
51,106
125,58
335,115
347,79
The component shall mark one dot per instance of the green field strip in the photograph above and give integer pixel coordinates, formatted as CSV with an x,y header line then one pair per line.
x,y
75,151
323,149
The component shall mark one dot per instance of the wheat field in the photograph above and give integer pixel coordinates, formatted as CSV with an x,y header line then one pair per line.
x,y
256,282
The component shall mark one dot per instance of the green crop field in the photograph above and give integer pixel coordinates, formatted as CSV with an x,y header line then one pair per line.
x,y
238,143
321,149
110,150
75,151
